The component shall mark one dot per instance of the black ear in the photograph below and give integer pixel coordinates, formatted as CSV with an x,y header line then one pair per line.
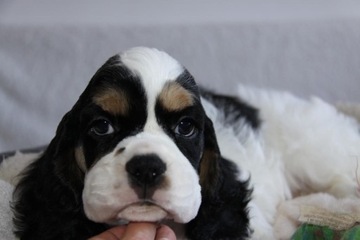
x,y
56,163
62,153
49,191
223,212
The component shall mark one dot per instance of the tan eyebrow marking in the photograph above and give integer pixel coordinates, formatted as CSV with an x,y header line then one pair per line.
x,y
112,100
175,97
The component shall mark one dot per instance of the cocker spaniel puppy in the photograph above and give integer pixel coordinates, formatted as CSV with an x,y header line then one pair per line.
x,y
144,143
137,146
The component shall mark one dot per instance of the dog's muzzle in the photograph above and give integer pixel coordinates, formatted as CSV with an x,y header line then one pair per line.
x,y
146,178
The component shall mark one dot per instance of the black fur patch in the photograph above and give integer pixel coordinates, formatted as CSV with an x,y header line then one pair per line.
x,y
234,108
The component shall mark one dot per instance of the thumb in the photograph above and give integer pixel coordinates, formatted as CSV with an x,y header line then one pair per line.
x,y
114,233
165,233
135,231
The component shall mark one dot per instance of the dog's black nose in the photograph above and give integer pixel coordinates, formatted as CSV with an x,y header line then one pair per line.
x,y
145,170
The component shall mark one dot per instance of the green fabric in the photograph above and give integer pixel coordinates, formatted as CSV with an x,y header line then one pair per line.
x,y
312,232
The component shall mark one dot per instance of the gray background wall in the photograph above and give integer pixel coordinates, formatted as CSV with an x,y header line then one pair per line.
x,y
50,50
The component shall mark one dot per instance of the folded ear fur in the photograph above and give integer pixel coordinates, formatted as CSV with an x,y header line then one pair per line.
x,y
51,187
209,163
223,212
62,152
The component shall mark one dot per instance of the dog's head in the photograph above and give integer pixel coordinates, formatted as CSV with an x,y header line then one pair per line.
x,y
138,143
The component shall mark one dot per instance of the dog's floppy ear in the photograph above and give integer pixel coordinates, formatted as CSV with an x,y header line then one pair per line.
x,y
58,162
223,212
61,152
51,186
209,163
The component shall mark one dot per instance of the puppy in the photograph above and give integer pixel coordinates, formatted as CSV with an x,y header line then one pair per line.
x,y
136,146
144,143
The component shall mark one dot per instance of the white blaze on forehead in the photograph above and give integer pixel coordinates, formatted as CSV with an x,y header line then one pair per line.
x,y
154,68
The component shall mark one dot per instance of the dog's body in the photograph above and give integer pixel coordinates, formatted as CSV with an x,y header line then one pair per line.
x,y
302,147
139,145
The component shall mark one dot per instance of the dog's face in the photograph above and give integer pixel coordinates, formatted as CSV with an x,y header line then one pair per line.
x,y
138,137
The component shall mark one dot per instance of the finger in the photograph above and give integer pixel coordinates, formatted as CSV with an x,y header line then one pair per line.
x,y
143,231
165,233
114,233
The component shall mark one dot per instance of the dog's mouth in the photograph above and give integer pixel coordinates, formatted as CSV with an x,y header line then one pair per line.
x,y
144,211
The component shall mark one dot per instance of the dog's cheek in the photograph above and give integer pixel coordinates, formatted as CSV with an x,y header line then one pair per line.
x,y
98,194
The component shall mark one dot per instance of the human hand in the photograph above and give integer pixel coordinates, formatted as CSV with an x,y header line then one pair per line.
x,y
137,231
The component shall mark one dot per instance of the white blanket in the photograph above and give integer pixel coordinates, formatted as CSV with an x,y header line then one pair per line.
x,y
9,170
6,226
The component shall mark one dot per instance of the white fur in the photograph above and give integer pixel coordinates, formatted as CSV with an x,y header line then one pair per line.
x,y
302,147
246,148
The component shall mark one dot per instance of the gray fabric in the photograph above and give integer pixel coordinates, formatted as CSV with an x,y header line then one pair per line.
x,y
50,50
6,226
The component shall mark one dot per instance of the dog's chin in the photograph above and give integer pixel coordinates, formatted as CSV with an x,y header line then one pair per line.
x,y
143,212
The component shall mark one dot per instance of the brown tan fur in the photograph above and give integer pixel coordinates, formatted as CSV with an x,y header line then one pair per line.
x,y
174,97
113,101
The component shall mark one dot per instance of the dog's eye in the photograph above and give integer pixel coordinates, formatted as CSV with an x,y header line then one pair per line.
x,y
102,127
185,127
